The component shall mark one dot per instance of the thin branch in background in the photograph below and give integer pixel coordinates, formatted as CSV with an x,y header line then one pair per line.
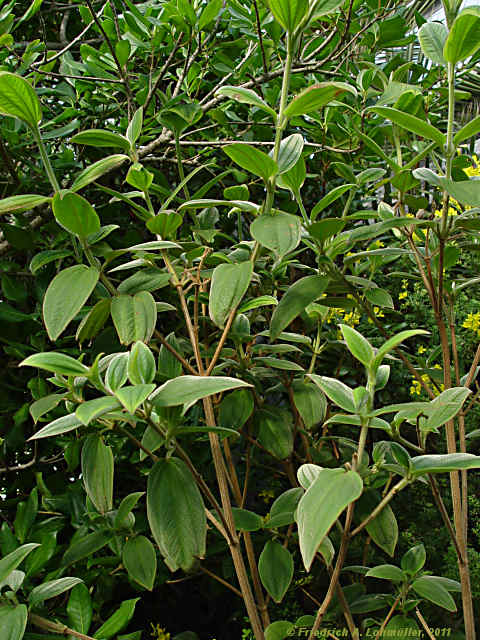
x,y
162,73
260,37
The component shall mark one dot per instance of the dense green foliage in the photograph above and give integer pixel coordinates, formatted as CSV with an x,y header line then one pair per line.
x,y
239,320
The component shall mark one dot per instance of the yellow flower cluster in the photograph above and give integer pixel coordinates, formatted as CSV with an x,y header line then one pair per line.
x,y
474,170
159,633
473,322
404,293
416,388
378,313
267,495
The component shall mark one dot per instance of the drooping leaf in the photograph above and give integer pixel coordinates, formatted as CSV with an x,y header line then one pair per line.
x,y
80,608
435,592
320,507
12,560
117,621
315,97
275,432
298,296
101,138
443,463
246,96
58,426
383,529
337,391
140,561
51,589
252,159
310,403
189,389
275,567
227,288
18,204
66,295
14,622
97,473
57,363
411,123
176,513
93,409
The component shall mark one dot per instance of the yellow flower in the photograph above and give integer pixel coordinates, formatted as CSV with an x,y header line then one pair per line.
x,y
267,495
159,633
421,349
378,313
402,295
474,170
472,322
351,318
416,388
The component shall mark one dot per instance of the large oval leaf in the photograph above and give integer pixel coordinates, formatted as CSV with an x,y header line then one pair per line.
x,y
75,214
229,285
315,97
189,389
66,295
14,622
252,159
280,232
464,37
51,589
97,472
19,100
289,13
134,317
275,567
176,513
140,561
432,37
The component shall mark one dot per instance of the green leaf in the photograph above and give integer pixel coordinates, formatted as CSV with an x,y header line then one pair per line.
x,y
298,296
401,628
290,151
45,257
280,232
96,170
279,630
283,509
140,561
294,178
435,592
43,405
235,409
189,389
66,295
464,37
58,426
30,12
132,397
310,403
126,506
383,529
289,13
25,516
165,224
12,560
75,214
246,520
51,589
315,97
93,409
209,13
412,124
432,37
19,100
320,507
414,559
17,204
134,317
149,279
393,342
329,199
246,96
176,513
80,608
275,432
122,51
386,572
117,621
466,191
275,567
141,364
445,407
227,288
94,321
134,128
57,363
468,130
97,473
379,297
252,159
337,391
421,465
86,546
101,138
14,622
359,347
261,301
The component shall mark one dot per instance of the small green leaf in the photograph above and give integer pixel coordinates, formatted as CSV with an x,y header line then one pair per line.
x,y
96,170
80,608
294,178
14,622
12,560
414,559
315,97
359,347
66,295
117,621
51,589
251,159
19,100
75,214
132,397
289,13
134,317
421,465
57,363
126,506
298,296
86,546
246,520
97,473
393,342
227,288
310,403
18,204
337,391
134,128
235,409
94,321
246,96
290,151
329,199
412,124
45,257
280,232
275,567
101,138
445,407
58,426
435,592
275,432
93,409
386,572
279,630
141,364
140,561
